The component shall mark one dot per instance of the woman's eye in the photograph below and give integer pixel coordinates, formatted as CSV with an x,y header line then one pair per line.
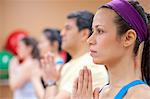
x,y
99,31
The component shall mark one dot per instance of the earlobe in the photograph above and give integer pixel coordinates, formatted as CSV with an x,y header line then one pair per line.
x,y
129,38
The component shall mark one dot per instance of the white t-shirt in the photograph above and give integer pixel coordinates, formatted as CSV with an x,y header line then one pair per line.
x,y
70,72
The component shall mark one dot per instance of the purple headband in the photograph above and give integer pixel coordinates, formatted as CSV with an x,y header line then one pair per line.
x,y
131,16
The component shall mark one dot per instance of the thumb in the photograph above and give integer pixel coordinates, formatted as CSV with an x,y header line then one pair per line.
x,y
51,58
96,93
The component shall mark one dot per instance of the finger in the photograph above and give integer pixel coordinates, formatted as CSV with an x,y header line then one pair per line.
x,y
46,59
90,81
52,55
47,63
42,63
43,66
85,79
50,58
96,93
75,87
80,82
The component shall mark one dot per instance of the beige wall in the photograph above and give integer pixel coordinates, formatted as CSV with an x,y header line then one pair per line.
x,y
145,4
35,15
1,18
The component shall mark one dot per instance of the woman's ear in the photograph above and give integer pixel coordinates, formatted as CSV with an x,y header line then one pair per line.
x,y
129,38
85,34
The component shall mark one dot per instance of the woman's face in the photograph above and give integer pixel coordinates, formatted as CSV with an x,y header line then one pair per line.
x,y
23,50
104,46
44,45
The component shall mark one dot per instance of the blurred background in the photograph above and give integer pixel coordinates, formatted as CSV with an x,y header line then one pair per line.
x,y
32,16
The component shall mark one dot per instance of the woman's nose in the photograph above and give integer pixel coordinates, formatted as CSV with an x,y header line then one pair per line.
x,y
91,40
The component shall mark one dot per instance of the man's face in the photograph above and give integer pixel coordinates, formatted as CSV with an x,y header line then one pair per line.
x,y
70,35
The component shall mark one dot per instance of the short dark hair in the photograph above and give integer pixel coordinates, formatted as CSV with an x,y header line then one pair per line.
x,y
53,35
83,18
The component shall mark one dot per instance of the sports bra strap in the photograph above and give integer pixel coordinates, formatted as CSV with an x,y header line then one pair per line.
x,y
125,89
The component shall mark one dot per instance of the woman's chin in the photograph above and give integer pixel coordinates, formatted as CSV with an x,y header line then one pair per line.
x,y
96,61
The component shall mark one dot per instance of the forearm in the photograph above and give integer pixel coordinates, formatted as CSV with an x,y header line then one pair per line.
x,y
39,89
51,92
18,78
40,93
17,81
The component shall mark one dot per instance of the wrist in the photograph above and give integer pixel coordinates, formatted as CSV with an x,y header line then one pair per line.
x,y
46,79
50,83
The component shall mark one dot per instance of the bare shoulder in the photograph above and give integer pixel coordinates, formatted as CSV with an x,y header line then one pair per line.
x,y
140,92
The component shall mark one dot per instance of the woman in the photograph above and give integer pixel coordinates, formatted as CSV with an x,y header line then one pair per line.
x,y
50,41
120,41
20,72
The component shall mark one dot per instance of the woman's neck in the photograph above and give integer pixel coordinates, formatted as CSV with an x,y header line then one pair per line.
x,y
122,72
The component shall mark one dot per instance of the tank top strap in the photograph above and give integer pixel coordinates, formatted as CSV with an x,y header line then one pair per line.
x,y
124,90
103,87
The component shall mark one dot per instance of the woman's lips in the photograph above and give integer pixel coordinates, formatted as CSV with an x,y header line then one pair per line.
x,y
92,52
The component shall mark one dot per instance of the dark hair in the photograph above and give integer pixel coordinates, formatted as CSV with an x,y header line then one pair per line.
x,y
53,35
29,41
83,18
123,27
